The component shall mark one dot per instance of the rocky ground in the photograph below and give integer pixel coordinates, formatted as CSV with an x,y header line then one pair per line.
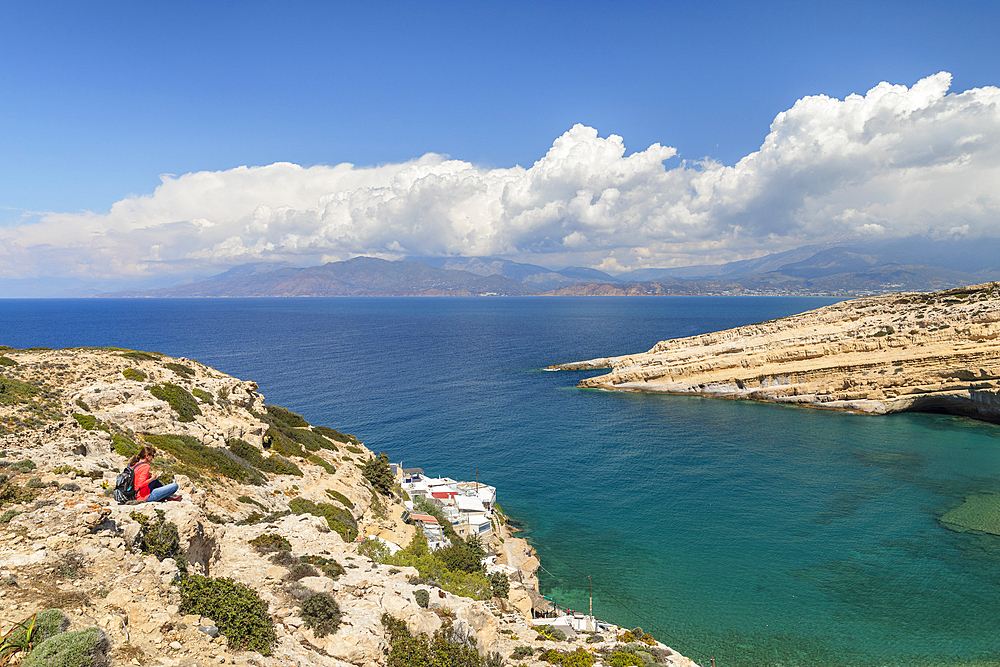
x,y
68,418
924,352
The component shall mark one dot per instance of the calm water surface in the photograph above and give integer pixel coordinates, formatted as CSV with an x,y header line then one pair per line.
x,y
755,534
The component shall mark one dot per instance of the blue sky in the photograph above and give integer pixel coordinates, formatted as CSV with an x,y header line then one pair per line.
x,y
100,99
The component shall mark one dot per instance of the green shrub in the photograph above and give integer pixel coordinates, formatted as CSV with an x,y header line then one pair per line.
x,y
375,549
522,652
134,374
432,568
422,596
124,445
301,571
353,450
337,518
269,542
160,538
203,396
500,585
180,400
321,613
33,631
14,494
465,556
284,559
84,648
273,464
622,659
180,369
330,568
237,610
279,443
88,422
8,515
322,463
189,451
286,417
24,465
7,361
142,356
548,632
405,650
250,501
340,498
378,473
82,404
15,391
334,434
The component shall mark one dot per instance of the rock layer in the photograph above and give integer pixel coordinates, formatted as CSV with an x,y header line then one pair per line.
x,y
937,352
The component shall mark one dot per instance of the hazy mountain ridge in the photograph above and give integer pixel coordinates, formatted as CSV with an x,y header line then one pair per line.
x,y
361,276
914,264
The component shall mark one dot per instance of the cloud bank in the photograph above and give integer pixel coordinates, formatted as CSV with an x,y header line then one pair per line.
x,y
895,162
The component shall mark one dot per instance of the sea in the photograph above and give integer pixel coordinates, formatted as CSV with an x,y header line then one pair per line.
x,y
751,534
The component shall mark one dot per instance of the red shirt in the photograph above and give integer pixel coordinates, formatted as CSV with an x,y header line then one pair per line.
x,y
141,475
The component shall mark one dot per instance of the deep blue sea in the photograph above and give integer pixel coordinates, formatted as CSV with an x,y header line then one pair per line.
x,y
754,534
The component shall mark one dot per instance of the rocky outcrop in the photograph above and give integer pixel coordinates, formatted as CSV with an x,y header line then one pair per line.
x,y
899,352
66,419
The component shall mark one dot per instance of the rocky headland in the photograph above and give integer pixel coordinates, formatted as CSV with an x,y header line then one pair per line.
x,y
932,352
270,530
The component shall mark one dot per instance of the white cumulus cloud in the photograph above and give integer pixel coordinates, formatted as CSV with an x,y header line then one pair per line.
x,y
896,161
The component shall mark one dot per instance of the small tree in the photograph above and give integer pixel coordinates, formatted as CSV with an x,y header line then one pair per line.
x,y
377,472
500,585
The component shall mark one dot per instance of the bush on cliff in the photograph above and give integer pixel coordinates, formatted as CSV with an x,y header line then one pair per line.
x,y
405,650
500,585
433,568
337,518
289,433
237,610
189,451
334,434
32,631
134,374
273,464
178,398
85,648
160,538
321,613
465,556
377,472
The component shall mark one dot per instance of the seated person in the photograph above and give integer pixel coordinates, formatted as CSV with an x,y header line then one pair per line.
x,y
148,488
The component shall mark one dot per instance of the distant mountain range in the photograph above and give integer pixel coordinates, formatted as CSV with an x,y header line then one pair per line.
x,y
914,264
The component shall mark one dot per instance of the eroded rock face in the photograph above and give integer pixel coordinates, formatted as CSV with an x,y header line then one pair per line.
x,y
74,546
876,355
90,398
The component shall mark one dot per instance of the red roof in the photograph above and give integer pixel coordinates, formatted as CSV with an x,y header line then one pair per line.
x,y
425,518
444,494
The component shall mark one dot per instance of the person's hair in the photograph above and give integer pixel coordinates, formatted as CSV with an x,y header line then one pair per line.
x,y
147,450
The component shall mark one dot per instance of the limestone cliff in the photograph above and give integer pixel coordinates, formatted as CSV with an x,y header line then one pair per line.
x,y
69,419
937,351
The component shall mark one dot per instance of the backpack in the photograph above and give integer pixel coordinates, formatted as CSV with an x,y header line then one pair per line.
x,y
125,485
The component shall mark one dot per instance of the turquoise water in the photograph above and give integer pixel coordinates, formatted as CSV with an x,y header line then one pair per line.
x,y
754,534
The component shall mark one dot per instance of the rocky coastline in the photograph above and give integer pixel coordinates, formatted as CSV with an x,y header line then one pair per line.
x,y
936,352
277,506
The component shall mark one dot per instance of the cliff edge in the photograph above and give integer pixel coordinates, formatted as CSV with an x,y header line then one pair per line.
x,y
264,559
928,352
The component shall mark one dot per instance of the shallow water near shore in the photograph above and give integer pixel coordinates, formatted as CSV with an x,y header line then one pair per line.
x,y
754,534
